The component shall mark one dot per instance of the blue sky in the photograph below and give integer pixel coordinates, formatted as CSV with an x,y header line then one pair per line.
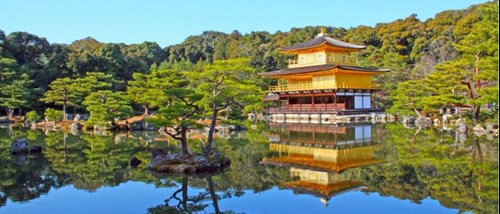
x,y
170,22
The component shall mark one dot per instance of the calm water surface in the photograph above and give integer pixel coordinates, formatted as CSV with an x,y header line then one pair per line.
x,y
362,168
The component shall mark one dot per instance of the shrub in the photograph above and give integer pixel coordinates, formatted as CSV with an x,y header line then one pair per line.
x,y
33,116
53,114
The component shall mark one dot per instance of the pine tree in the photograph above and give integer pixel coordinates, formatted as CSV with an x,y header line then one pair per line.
x,y
407,98
223,84
15,94
182,111
62,92
106,107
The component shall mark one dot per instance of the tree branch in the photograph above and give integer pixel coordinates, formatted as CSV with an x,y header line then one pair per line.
x,y
229,101
176,135
190,104
220,81
469,87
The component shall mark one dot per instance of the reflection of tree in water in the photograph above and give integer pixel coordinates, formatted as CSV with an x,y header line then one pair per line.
x,y
182,202
93,161
90,161
427,164
27,179
431,164
3,199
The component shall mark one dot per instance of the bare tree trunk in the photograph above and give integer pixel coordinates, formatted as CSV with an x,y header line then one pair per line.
x,y
64,112
476,111
10,113
478,57
64,105
184,145
146,110
415,109
211,131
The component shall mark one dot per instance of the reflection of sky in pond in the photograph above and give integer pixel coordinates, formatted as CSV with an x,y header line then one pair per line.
x,y
137,197
360,168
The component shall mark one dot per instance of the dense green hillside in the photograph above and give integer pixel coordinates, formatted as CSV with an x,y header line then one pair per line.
x,y
459,46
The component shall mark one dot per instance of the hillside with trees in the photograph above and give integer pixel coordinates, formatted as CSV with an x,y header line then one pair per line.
x,y
446,61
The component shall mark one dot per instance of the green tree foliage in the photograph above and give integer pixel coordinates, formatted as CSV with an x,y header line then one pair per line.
x,y
91,82
443,90
461,176
16,94
53,114
138,91
106,107
144,87
477,65
435,165
471,78
15,88
62,92
409,47
182,112
72,92
33,116
223,84
408,98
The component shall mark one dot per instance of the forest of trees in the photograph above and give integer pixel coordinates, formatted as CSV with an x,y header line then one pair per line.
x,y
449,60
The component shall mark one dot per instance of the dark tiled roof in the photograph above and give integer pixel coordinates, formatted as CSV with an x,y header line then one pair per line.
x,y
320,40
357,68
315,68
299,70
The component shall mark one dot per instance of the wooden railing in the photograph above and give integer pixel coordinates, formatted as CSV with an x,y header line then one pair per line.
x,y
310,87
294,63
308,108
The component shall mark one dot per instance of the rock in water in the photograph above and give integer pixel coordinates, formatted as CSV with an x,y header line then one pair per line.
x,y
5,120
148,126
134,126
490,127
20,159
74,127
19,146
446,118
408,119
423,122
134,162
120,138
157,152
36,149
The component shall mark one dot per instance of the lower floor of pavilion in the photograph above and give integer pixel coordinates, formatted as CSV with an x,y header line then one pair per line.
x,y
324,102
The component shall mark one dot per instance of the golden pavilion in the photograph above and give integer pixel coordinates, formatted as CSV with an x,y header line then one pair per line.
x,y
321,82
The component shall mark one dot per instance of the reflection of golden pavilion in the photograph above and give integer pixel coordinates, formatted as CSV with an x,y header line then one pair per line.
x,y
318,155
321,184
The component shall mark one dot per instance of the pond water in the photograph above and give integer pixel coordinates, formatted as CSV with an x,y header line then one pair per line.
x,y
276,168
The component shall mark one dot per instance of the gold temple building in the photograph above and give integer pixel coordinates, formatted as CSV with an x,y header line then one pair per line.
x,y
321,83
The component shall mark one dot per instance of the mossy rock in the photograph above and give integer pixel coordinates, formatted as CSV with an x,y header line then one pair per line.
x,y
189,164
